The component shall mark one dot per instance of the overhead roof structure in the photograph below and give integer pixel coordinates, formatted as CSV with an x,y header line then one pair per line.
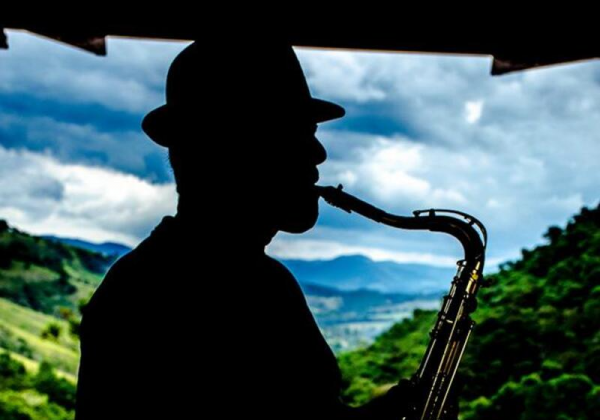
x,y
513,46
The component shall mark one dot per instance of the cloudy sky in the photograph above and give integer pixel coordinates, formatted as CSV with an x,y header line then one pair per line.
x,y
517,151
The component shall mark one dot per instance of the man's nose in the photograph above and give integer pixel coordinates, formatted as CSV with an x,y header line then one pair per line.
x,y
320,153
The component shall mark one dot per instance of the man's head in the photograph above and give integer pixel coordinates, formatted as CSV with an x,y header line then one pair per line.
x,y
240,126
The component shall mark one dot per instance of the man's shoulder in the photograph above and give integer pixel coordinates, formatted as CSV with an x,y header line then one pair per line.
x,y
283,278
126,274
112,290
153,249
275,268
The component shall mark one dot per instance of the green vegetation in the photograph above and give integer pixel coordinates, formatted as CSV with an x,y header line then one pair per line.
x,y
39,396
22,332
46,275
43,285
535,353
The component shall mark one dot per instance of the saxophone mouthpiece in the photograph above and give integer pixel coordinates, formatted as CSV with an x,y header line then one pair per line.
x,y
334,196
327,191
319,189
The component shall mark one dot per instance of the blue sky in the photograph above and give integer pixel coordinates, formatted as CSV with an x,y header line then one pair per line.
x,y
518,151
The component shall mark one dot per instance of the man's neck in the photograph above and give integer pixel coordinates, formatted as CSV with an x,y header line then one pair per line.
x,y
243,231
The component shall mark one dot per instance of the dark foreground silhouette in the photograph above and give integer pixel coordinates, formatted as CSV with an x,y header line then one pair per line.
x,y
197,321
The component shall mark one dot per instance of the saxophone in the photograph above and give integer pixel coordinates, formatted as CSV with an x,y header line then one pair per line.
x,y
432,381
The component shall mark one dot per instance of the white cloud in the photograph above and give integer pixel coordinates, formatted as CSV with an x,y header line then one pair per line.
x,y
348,178
391,171
473,111
347,77
307,249
43,196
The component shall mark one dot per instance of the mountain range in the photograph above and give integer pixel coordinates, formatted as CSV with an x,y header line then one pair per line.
x,y
353,298
349,273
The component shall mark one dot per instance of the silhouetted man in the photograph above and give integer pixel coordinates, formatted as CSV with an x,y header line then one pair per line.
x,y
197,321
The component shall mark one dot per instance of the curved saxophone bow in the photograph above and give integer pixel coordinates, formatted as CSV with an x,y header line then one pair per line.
x,y
449,336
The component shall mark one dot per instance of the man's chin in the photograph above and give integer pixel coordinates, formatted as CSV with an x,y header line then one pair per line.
x,y
299,226
299,212
301,219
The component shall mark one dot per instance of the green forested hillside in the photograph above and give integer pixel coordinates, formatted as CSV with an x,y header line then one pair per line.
x,y
33,394
46,275
38,337
535,353
38,365
43,283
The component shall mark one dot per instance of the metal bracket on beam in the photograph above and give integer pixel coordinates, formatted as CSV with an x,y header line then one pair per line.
x,y
96,44
3,40
508,65
91,43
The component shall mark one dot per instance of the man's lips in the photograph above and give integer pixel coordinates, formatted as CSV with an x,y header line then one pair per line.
x,y
315,176
304,178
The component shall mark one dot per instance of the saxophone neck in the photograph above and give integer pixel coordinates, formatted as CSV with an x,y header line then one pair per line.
x,y
455,223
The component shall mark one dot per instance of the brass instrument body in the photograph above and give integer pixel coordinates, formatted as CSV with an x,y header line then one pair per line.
x,y
450,334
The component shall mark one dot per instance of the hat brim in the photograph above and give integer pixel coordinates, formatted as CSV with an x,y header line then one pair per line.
x,y
325,110
156,123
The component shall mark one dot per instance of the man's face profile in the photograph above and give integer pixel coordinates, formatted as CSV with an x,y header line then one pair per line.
x,y
270,167
293,174
276,163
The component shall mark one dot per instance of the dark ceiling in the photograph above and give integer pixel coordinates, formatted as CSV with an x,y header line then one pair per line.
x,y
514,46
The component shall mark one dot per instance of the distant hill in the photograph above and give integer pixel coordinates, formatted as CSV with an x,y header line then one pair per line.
x,y
47,275
346,273
350,319
357,301
357,272
106,248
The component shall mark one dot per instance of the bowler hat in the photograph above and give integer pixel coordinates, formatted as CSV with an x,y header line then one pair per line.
x,y
267,79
